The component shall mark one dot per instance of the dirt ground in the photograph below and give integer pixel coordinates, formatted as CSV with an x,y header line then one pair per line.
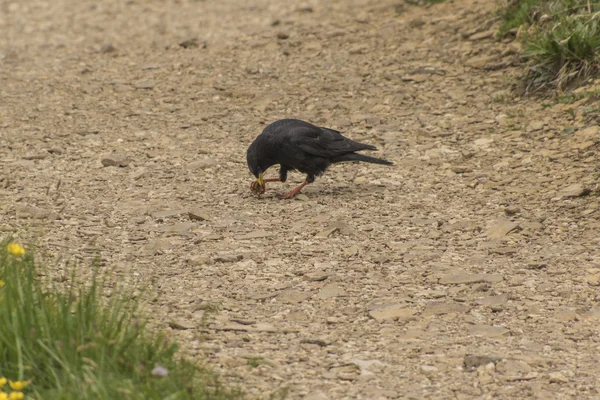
x,y
470,269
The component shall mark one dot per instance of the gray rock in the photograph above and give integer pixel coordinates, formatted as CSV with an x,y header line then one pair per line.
x,y
182,227
557,377
470,279
535,126
34,213
201,164
330,291
167,213
494,301
488,331
198,215
445,308
391,312
482,35
254,235
574,190
501,229
316,395
472,362
292,296
180,325
146,85
115,160
513,369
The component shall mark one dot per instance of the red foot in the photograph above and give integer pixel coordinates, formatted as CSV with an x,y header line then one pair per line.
x,y
294,192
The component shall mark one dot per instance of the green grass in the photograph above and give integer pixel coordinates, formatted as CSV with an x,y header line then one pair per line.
x,y
85,343
560,40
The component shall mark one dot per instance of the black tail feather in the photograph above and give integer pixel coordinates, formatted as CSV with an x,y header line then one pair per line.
x,y
361,157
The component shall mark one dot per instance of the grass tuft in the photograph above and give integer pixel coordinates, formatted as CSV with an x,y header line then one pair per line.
x,y
74,344
560,40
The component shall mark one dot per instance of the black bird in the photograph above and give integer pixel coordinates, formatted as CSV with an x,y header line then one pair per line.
x,y
298,145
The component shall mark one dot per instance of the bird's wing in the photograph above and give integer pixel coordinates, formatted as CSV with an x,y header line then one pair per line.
x,y
323,142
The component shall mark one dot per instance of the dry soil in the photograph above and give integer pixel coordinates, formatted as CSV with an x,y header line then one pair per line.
x,y
470,269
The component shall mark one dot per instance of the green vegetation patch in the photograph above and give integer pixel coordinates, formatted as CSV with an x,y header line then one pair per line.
x,y
84,343
560,39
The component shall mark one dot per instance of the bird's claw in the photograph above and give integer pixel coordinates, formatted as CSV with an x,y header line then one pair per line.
x,y
257,188
286,196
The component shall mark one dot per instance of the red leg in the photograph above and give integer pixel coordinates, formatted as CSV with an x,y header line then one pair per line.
x,y
293,192
272,180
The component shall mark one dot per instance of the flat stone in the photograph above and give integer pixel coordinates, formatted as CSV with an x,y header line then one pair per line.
x,y
265,327
181,325
535,126
327,232
592,314
367,367
330,291
318,341
147,85
34,213
499,300
297,316
470,279
482,35
316,395
114,160
501,229
461,169
292,296
557,377
190,43
513,367
198,215
445,308
472,362
503,250
254,235
483,142
228,257
167,213
316,276
234,326
201,164
488,331
198,260
591,132
574,190
593,280
428,368
182,227
566,316
481,61
391,312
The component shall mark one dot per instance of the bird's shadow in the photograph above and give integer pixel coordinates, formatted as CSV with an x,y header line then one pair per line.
x,y
314,193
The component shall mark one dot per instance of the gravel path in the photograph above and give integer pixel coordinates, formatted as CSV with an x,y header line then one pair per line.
x,y
471,269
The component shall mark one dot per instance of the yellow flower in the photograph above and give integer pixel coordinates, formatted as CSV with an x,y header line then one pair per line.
x,y
2,384
3,396
15,396
15,249
18,385
3,380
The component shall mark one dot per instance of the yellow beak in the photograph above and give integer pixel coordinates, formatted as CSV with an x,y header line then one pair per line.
x,y
260,180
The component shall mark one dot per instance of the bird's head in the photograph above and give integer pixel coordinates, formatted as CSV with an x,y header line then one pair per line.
x,y
258,186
